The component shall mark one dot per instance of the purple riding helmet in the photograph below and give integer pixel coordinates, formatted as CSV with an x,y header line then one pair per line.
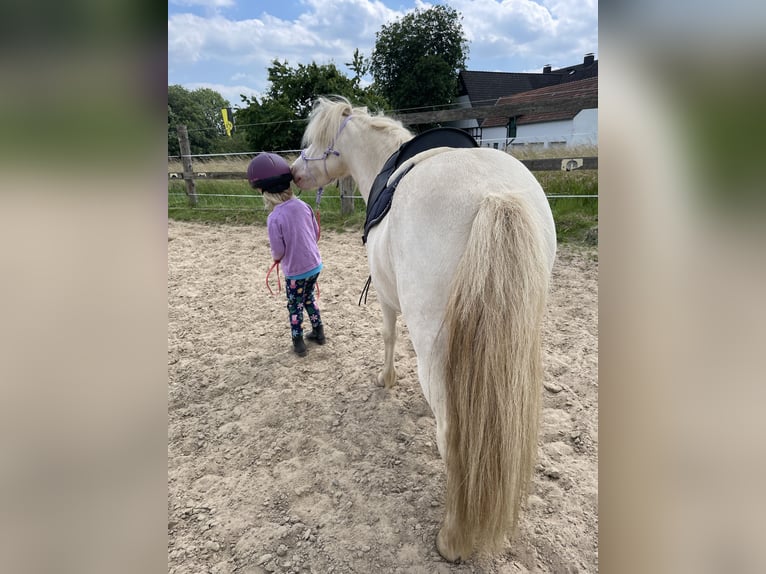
x,y
269,172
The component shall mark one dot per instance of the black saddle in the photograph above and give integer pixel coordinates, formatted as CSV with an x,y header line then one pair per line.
x,y
381,196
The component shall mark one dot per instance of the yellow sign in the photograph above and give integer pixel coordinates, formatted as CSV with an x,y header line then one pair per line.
x,y
227,120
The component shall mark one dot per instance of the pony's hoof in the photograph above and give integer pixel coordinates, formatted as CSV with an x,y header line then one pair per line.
x,y
387,382
446,552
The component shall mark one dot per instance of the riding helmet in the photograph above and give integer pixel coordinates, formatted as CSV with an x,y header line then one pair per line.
x,y
269,172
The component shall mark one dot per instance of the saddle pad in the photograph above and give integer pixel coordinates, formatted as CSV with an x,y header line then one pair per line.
x,y
381,195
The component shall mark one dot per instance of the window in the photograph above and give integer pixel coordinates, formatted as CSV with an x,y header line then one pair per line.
x,y
511,127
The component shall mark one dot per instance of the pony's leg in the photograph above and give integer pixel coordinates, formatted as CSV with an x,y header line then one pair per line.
x,y
431,382
387,378
445,539
430,343
443,544
431,378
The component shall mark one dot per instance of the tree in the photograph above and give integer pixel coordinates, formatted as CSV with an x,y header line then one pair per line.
x,y
416,60
200,111
270,125
277,122
360,66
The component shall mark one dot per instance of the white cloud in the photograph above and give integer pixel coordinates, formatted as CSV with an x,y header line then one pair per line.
x,y
231,93
324,34
359,19
556,31
320,34
509,35
193,39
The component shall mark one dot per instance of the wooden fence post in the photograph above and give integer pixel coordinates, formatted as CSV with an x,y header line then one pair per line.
x,y
346,186
183,142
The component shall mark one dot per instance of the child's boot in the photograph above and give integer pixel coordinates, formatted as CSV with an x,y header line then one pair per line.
x,y
299,346
317,335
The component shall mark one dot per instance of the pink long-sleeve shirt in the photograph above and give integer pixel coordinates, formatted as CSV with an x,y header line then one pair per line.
x,y
293,234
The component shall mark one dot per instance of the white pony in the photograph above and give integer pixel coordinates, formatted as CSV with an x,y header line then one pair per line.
x,y
465,255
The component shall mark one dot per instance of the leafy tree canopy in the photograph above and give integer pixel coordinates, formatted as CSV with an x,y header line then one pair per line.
x,y
416,60
200,111
276,122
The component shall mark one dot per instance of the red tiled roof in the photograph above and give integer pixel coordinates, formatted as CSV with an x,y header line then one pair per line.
x,y
587,87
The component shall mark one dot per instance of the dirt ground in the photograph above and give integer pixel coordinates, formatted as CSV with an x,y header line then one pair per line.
x,y
283,464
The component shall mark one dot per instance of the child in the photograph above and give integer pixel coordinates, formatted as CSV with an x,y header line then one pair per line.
x,y
293,234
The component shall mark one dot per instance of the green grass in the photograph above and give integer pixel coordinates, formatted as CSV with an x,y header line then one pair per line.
x,y
243,209
213,209
575,217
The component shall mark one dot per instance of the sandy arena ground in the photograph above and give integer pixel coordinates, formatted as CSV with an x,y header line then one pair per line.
x,y
283,464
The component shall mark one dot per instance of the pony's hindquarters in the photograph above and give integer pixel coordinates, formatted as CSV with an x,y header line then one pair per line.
x,y
493,375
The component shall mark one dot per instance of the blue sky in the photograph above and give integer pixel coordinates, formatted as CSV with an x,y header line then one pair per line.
x,y
227,45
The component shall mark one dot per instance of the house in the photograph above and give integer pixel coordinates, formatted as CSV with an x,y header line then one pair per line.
x,y
547,129
477,89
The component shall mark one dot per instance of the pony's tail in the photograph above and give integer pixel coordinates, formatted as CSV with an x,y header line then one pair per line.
x,y
493,376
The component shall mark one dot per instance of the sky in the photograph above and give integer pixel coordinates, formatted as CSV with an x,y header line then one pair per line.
x,y
227,45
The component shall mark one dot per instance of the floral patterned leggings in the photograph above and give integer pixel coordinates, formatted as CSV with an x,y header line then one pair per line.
x,y
300,295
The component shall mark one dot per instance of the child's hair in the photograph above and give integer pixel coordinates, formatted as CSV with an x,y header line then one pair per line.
x,y
274,199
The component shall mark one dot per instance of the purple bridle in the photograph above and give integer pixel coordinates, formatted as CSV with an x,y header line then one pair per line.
x,y
328,152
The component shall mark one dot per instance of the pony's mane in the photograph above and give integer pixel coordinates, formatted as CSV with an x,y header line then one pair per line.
x,y
328,114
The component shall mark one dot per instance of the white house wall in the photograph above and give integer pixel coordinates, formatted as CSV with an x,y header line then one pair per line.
x,y
492,136
581,130
585,128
